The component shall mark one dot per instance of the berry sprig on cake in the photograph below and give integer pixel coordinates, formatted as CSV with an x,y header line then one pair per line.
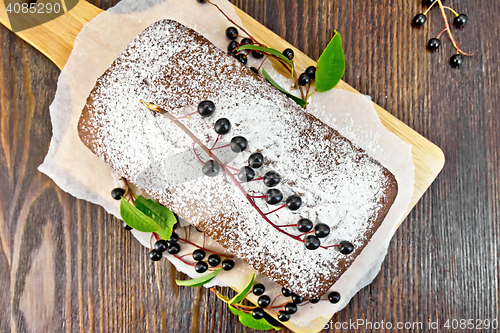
x,y
238,159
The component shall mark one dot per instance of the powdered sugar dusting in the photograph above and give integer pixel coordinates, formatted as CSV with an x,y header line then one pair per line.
x,y
176,68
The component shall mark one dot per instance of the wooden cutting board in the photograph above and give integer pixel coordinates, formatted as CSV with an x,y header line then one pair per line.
x,y
55,39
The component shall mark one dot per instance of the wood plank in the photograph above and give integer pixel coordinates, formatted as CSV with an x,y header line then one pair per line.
x,y
443,263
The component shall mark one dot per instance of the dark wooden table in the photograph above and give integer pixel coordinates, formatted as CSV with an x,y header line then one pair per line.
x,y
67,266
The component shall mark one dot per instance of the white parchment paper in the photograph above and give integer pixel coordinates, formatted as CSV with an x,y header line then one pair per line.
x,y
76,170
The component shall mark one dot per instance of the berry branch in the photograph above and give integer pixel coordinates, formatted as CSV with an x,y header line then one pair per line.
x,y
312,242
433,44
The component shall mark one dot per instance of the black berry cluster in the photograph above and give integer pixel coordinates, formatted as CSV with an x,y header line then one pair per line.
x,y
271,179
459,21
201,261
171,246
232,47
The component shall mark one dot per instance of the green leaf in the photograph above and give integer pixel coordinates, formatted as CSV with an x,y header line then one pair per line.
x,y
331,65
267,50
136,219
160,214
249,321
198,282
297,100
241,296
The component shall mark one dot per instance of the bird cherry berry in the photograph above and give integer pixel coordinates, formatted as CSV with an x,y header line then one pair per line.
x,y
264,301
419,20
257,54
242,58
174,248
246,174
232,33
222,126
228,264
312,242
291,308
117,193
427,2
232,46
258,313
460,21
272,178
304,79
214,260
297,299
255,70
238,144
293,202
456,60
321,230
259,289
246,41
315,300
334,297
288,53
201,267
311,71
346,247
283,316
256,160
304,225
173,238
433,44
126,226
154,255
199,255
273,196
285,292
206,108
161,246
210,168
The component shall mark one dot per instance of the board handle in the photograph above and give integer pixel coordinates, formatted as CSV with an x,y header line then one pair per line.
x,y
55,39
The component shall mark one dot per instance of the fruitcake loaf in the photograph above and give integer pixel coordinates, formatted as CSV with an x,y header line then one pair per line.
x,y
232,155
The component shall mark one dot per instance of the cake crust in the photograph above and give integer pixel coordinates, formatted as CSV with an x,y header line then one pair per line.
x,y
176,68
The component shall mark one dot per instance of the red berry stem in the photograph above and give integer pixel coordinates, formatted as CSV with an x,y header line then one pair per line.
x,y
334,245
239,27
217,140
262,63
276,210
441,33
197,156
230,167
281,306
455,44
306,233
274,300
432,5
188,115
451,9
221,147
